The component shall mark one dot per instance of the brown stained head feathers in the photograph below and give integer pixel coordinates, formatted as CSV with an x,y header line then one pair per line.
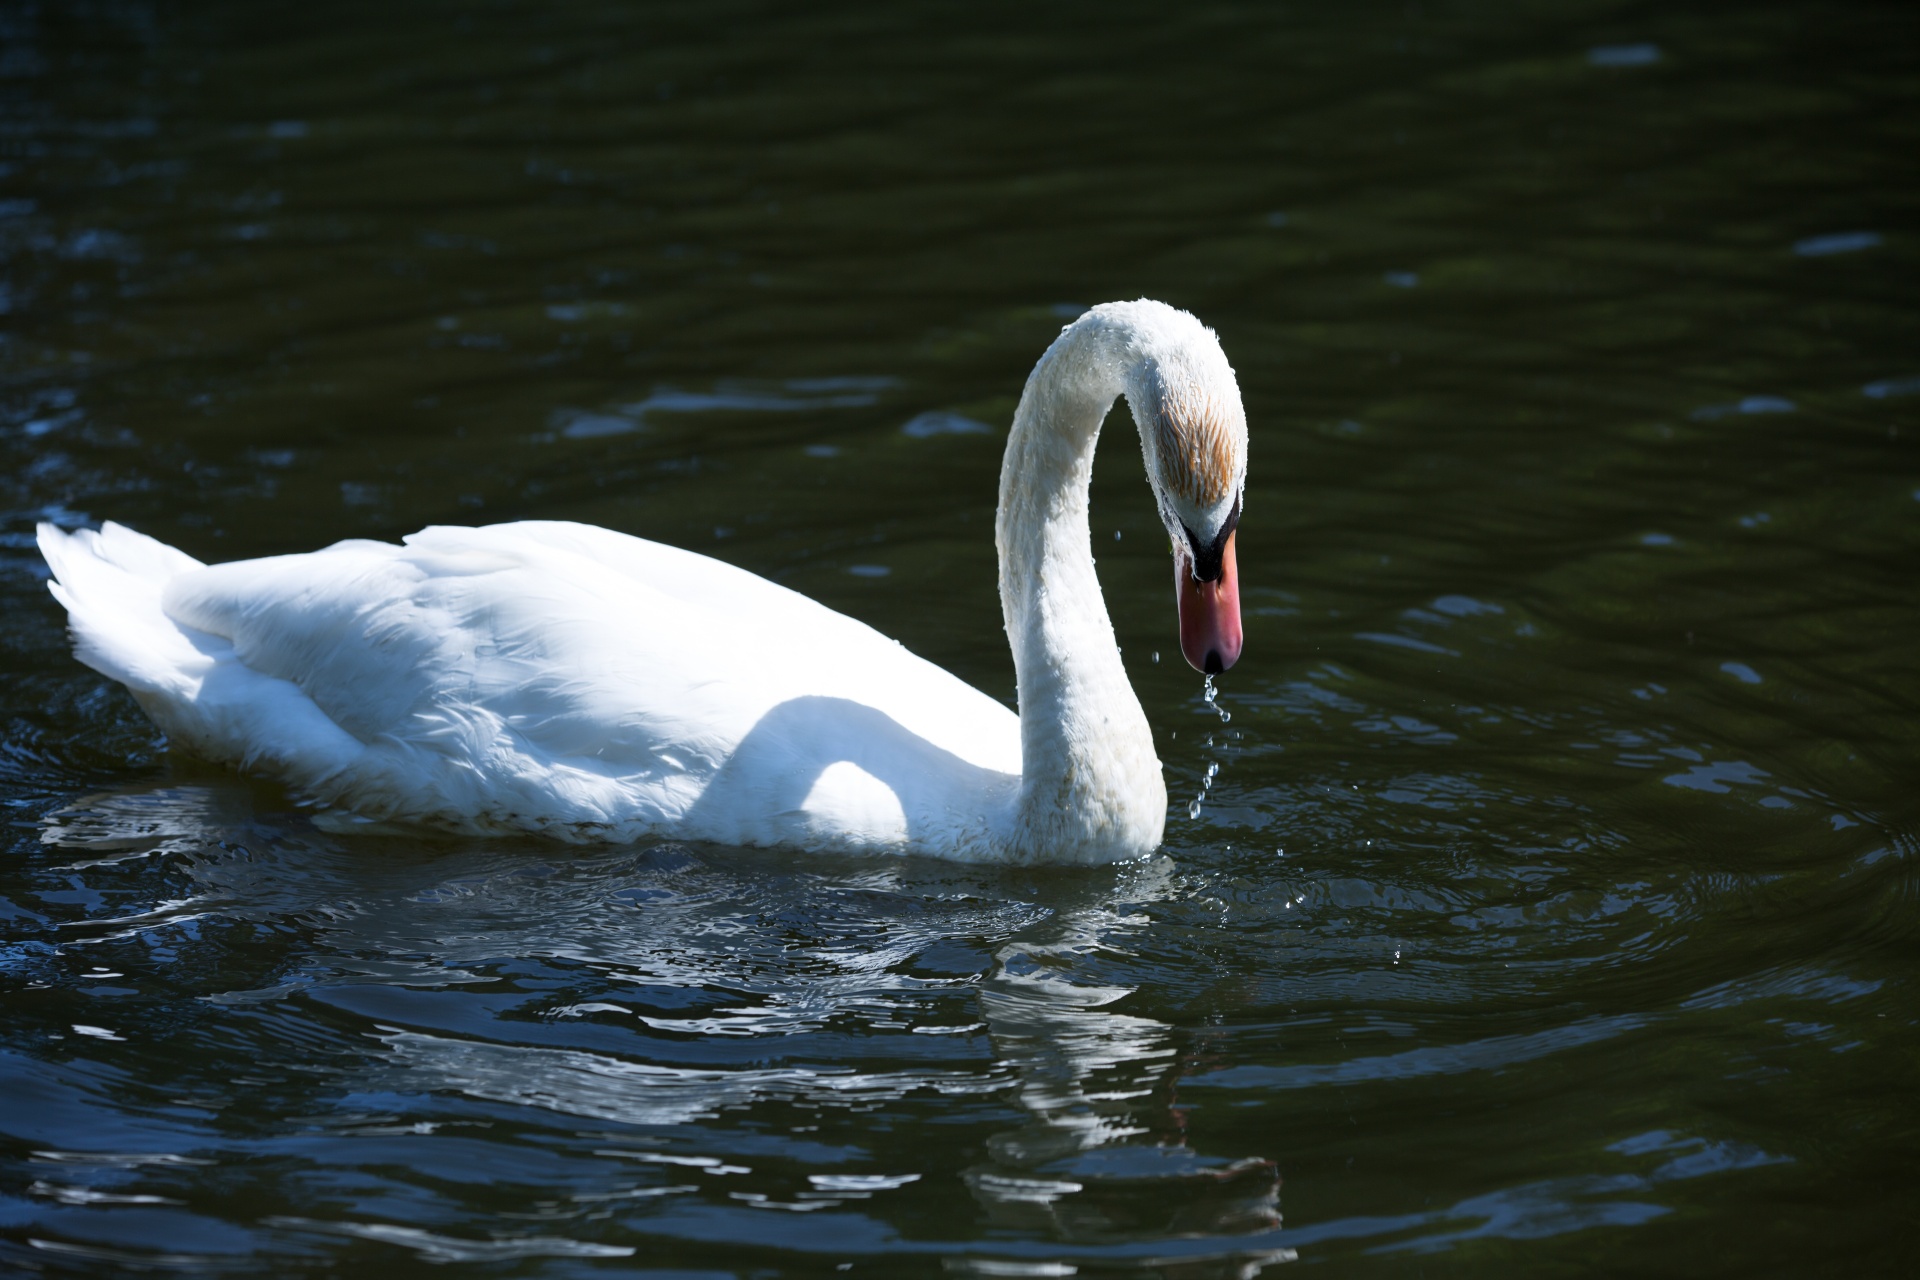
x,y
1198,445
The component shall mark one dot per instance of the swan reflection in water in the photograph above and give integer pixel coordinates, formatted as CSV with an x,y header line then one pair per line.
x,y
1097,1176
1102,1158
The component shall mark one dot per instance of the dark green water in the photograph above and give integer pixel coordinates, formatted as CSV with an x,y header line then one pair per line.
x,y
1553,907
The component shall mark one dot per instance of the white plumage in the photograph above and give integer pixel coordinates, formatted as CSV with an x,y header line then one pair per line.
x,y
558,678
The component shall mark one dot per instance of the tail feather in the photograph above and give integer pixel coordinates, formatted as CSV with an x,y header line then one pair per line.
x,y
110,583
189,681
140,555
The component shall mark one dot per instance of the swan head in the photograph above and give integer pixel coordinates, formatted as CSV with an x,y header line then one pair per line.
x,y
1193,431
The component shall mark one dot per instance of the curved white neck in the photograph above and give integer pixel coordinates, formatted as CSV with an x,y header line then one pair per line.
x,y
1090,783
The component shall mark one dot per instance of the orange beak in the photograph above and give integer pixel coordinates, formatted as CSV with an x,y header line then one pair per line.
x,y
1209,612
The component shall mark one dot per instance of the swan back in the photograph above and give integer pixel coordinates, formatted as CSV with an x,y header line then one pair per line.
x,y
559,678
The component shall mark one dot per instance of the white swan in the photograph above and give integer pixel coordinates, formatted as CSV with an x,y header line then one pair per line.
x,y
559,678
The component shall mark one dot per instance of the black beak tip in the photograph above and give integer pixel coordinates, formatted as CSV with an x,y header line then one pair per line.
x,y
1214,666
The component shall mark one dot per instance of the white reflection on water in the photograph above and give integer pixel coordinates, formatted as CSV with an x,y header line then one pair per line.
x,y
1101,1157
709,996
433,1247
1098,1162
603,1087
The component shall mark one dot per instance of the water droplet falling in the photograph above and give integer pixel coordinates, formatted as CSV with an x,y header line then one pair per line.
x,y
1212,695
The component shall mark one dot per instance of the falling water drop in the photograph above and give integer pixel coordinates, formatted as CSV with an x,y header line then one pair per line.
x,y
1213,766
1211,694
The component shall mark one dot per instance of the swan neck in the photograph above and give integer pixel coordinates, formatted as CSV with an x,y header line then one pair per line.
x,y
1091,788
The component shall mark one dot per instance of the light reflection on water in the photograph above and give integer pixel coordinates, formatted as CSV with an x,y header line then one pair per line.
x,y
664,1039
835,1023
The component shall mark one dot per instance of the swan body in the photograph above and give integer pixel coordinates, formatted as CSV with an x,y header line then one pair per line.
x,y
559,678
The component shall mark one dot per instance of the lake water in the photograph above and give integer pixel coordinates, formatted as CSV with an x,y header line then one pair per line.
x,y
1550,905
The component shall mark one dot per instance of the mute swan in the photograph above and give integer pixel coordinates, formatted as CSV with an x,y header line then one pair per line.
x,y
559,678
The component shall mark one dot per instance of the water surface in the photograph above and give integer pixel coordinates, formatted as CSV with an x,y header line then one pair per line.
x,y
1549,902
